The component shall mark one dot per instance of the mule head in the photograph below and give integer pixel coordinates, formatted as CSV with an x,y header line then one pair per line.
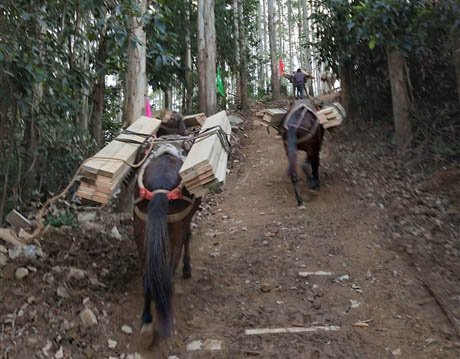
x,y
179,123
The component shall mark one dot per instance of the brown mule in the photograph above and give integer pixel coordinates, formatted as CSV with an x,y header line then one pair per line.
x,y
301,130
162,219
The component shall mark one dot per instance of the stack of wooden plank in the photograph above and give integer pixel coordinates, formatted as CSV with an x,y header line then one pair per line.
x,y
103,173
331,116
205,167
270,117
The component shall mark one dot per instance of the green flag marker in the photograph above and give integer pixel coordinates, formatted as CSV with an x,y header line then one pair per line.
x,y
220,86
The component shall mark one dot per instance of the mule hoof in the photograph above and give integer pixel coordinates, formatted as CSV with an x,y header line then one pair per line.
x,y
314,185
147,329
187,273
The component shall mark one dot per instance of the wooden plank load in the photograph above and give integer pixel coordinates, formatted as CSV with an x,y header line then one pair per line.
x,y
103,173
206,164
270,117
331,116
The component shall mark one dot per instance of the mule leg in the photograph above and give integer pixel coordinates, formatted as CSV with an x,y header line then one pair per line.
x,y
314,183
296,191
187,269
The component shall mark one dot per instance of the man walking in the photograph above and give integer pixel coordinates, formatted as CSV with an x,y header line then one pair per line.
x,y
299,81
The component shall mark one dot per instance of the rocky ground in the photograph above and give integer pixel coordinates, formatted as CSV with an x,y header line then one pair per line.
x,y
369,269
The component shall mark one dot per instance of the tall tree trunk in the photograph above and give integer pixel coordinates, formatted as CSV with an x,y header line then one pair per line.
x,y
275,81
167,100
301,52
400,99
261,46
290,34
136,76
264,16
188,62
346,88
308,58
99,91
207,57
243,72
236,36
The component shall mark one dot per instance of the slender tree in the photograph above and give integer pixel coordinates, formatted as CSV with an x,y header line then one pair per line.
x,y
243,71
207,97
136,76
188,61
275,81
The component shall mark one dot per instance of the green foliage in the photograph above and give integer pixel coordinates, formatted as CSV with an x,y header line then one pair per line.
x,y
62,219
357,34
49,64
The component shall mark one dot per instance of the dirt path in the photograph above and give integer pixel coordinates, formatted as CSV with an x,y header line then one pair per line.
x,y
247,252
248,256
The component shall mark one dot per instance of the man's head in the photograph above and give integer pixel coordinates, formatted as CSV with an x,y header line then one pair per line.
x,y
298,70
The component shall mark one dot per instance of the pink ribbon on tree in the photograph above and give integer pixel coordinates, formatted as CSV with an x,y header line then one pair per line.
x,y
148,111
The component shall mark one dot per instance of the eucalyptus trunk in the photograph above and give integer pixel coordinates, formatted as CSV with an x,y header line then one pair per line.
x,y
243,72
236,37
275,82
188,62
400,99
207,57
136,76
99,92
289,3
260,35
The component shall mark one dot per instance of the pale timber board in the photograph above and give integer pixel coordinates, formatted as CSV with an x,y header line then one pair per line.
x,y
202,150
143,124
198,155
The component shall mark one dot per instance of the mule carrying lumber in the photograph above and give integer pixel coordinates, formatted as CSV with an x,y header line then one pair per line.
x,y
206,164
103,173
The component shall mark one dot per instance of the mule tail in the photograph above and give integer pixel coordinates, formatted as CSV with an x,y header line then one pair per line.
x,y
158,272
292,151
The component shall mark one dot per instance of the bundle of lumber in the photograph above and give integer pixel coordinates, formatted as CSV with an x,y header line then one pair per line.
x,y
103,173
331,116
270,117
205,167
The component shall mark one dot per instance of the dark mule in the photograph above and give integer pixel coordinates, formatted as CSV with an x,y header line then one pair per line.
x,y
301,130
162,218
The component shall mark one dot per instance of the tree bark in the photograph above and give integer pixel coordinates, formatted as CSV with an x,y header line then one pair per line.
x,y
261,46
207,57
346,88
188,62
264,11
136,76
99,92
290,35
236,36
275,81
400,99
243,72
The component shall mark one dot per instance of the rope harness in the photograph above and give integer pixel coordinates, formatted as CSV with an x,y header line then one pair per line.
x,y
176,193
